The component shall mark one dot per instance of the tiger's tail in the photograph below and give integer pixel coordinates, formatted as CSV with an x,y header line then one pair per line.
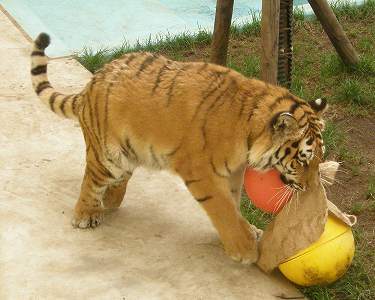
x,y
64,105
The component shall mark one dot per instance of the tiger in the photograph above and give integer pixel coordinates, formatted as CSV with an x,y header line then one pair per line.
x,y
203,122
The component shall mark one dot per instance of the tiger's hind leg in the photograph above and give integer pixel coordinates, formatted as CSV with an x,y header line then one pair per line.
x,y
115,193
88,211
214,195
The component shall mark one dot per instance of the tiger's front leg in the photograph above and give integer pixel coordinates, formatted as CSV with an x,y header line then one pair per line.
x,y
88,210
237,235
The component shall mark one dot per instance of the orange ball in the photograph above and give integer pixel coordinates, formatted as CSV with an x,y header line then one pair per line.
x,y
266,190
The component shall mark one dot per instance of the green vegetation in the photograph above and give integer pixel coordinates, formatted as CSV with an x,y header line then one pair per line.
x,y
94,60
254,215
247,29
371,190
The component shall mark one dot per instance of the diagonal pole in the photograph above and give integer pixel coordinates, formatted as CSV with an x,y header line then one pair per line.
x,y
335,32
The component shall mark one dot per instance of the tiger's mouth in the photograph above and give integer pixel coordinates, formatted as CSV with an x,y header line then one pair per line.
x,y
292,183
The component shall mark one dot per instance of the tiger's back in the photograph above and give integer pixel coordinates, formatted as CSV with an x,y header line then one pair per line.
x,y
159,103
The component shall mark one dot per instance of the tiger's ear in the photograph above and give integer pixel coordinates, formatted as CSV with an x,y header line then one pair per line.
x,y
319,105
285,124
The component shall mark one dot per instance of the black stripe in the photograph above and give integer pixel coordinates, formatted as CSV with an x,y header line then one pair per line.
x,y
155,159
232,85
242,107
303,115
63,103
124,151
278,100
74,103
295,144
269,163
293,107
310,141
115,163
104,171
217,87
42,86
303,125
204,66
94,175
248,142
286,153
91,116
171,87
39,70
130,58
52,99
95,181
158,79
147,62
37,53
188,182
130,149
174,151
203,198
218,97
197,109
106,108
257,99
277,153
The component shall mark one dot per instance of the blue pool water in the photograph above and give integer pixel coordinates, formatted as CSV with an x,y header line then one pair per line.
x,y
74,24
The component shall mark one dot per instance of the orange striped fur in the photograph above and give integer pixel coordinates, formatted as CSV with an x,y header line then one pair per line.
x,y
201,121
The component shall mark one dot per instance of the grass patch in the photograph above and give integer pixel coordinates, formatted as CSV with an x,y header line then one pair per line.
x,y
252,214
333,138
250,66
370,194
351,91
335,143
94,60
349,11
248,29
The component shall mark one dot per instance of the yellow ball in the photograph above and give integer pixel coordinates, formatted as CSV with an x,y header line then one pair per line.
x,y
324,261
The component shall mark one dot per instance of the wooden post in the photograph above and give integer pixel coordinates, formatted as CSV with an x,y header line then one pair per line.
x,y
334,30
223,18
270,40
285,55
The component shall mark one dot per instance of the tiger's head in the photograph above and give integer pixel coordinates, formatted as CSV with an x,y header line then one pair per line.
x,y
290,139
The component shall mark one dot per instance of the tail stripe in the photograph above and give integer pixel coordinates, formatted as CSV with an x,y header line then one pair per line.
x,y
42,86
52,100
39,70
74,103
37,53
62,105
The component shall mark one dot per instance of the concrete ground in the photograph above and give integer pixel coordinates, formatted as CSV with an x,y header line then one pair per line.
x,y
159,245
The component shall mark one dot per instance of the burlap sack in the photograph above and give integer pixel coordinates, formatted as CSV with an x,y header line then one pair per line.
x,y
301,222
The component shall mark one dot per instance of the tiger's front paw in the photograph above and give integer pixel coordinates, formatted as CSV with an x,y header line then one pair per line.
x,y
243,245
87,218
